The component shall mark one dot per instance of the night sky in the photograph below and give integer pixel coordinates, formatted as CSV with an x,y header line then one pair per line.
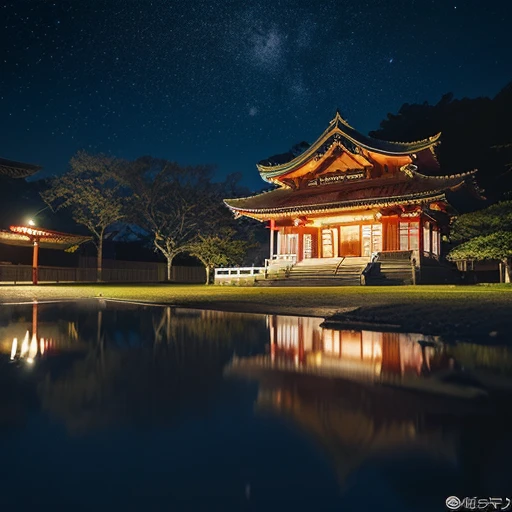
x,y
230,82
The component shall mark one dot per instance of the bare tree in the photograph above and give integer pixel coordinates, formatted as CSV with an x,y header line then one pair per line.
x,y
92,194
173,203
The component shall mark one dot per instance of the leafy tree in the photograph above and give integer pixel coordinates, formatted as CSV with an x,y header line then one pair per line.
x,y
173,203
216,250
92,194
485,235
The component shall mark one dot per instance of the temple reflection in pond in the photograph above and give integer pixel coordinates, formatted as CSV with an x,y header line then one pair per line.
x,y
371,398
359,353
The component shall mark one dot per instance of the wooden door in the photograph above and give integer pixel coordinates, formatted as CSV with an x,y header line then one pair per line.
x,y
350,245
327,243
372,239
308,245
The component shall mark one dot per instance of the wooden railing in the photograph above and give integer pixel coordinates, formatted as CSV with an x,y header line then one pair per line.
x,y
237,272
394,255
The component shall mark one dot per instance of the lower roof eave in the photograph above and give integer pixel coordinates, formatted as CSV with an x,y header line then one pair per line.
x,y
277,213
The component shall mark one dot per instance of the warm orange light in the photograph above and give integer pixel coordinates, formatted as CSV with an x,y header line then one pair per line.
x,y
14,348
24,345
32,351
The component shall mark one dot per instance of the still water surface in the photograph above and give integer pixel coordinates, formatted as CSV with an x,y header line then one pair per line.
x,y
115,406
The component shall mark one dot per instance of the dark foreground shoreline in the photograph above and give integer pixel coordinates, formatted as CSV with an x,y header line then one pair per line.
x,y
480,313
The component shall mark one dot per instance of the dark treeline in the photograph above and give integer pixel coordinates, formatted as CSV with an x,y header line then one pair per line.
x,y
476,134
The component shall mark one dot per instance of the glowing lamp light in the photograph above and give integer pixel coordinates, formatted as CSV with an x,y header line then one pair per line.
x,y
31,222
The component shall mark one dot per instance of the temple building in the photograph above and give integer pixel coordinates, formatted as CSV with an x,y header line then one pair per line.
x,y
351,206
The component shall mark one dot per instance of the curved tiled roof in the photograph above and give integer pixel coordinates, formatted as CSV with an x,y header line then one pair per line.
x,y
14,169
25,236
339,128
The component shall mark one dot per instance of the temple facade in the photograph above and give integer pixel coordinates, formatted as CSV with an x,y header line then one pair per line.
x,y
349,199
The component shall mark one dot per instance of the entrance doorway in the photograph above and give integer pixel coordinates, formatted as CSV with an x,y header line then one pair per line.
x,y
288,244
308,246
329,243
350,244
372,239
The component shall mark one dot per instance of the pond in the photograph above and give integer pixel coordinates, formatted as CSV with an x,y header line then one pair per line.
x,y
123,406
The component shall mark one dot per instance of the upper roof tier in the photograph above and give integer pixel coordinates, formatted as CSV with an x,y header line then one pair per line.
x,y
340,130
14,169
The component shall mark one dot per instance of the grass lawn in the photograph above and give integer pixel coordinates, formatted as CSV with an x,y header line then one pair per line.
x,y
461,311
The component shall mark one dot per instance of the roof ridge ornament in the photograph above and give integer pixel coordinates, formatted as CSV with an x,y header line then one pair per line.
x,y
338,118
410,170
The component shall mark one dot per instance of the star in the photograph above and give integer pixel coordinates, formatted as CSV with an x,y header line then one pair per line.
x,y
179,79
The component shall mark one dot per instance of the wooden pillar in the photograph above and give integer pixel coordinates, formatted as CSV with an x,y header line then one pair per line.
x,y
35,257
421,244
300,244
272,227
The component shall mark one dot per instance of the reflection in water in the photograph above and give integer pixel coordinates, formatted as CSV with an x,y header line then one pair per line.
x,y
124,364
406,360
30,348
100,369
14,348
366,396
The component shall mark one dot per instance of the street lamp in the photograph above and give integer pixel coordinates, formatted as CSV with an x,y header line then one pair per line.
x,y
31,221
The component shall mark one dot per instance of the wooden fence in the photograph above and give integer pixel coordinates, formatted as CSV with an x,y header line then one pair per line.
x,y
149,273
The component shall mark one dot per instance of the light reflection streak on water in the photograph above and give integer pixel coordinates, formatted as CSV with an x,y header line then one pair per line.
x,y
14,348
24,345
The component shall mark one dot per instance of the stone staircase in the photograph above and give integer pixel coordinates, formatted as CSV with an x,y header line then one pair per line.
x,y
390,269
320,272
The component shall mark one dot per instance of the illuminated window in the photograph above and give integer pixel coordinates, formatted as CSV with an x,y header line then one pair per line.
x,y
409,236
426,237
435,242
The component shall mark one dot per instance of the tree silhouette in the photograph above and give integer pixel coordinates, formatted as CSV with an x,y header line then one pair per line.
x,y
476,133
92,193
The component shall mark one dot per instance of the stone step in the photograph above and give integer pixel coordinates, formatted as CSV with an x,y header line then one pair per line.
x,y
351,275
310,282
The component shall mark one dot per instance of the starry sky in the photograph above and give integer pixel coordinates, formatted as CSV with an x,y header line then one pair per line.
x,y
230,82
